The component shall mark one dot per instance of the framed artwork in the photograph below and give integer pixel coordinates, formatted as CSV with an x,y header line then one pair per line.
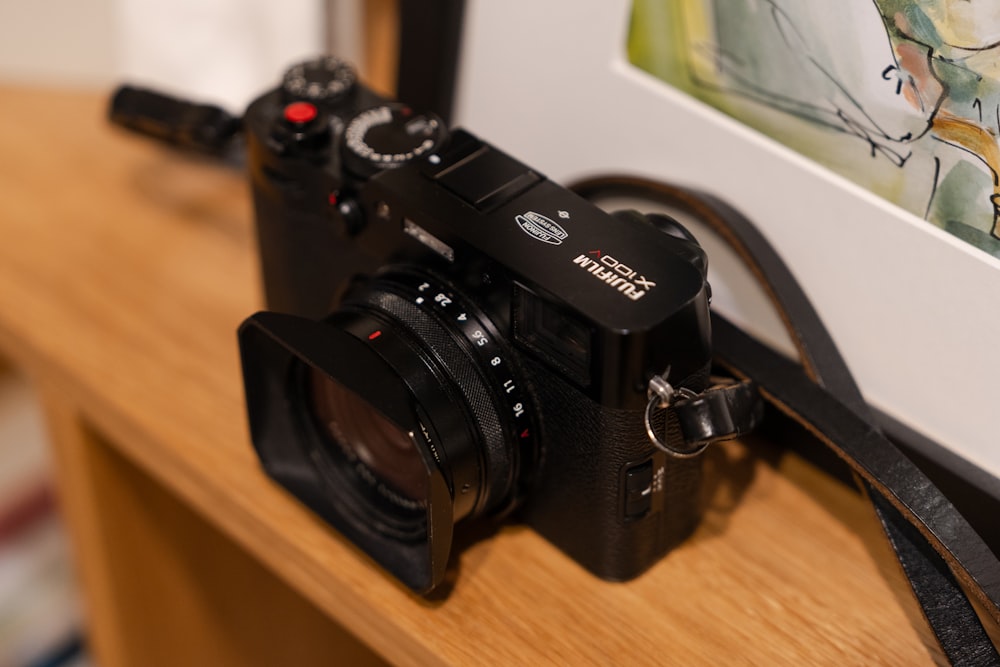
x,y
860,136
900,96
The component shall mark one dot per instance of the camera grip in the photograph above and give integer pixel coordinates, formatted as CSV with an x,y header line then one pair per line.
x,y
580,495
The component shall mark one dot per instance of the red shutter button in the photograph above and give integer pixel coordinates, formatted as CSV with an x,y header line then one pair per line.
x,y
300,112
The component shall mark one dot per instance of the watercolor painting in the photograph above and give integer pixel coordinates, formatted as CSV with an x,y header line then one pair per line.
x,y
900,96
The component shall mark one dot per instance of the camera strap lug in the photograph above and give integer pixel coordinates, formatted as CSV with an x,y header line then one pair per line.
x,y
727,409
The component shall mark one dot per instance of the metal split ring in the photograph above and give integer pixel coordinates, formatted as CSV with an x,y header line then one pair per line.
x,y
661,395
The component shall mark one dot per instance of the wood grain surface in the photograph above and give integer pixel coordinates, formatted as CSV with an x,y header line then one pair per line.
x,y
124,272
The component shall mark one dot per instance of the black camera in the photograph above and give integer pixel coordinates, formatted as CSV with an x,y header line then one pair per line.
x,y
452,336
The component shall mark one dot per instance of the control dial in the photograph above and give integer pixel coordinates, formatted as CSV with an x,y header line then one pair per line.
x,y
324,80
389,136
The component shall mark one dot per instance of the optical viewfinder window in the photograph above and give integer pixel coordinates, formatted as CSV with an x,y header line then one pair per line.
x,y
556,336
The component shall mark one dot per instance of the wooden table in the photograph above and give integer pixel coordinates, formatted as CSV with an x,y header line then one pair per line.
x,y
124,272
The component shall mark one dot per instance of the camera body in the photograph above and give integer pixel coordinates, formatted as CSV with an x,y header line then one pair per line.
x,y
493,322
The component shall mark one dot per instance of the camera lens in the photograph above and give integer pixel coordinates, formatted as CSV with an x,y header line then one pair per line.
x,y
388,453
399,415
462,390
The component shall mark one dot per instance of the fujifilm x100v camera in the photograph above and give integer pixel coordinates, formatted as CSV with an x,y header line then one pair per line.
x,y
451,336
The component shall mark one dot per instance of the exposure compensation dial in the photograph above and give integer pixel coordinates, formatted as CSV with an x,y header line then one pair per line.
x,y
389,136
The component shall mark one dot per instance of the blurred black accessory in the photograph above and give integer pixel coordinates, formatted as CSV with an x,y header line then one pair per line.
x,y
429,40
935,545
199,127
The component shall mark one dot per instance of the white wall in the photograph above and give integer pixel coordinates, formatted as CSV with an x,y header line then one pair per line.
x,y
222,51
61,42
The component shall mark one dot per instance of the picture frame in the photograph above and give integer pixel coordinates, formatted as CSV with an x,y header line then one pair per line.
x,y
909,305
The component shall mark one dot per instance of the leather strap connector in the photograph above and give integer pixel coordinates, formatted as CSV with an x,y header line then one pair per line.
x,y
728,409
722,412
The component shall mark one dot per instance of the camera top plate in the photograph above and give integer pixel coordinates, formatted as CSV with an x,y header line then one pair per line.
x,y
621,274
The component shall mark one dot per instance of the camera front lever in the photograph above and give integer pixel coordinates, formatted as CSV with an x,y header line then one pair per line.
x,y
726,410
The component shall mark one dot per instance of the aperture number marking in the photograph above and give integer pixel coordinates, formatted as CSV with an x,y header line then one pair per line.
x,y
486,347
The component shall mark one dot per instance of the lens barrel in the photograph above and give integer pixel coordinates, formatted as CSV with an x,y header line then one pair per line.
x,y
404,408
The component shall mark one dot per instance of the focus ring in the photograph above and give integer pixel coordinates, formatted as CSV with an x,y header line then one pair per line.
x,y
458,365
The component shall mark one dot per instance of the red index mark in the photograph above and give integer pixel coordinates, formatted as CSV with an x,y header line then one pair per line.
x,y
524,433
375,334
595,252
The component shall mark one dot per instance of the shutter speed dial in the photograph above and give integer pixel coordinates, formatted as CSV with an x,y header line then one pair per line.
x,y
323,80
389,136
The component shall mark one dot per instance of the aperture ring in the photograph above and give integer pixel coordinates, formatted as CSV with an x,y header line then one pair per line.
x,y
459,367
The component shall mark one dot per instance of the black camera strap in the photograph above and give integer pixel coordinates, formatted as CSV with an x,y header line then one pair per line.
x,y
947,564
